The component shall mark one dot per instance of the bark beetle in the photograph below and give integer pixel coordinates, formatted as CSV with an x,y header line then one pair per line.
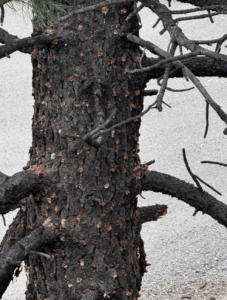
x,y
76,85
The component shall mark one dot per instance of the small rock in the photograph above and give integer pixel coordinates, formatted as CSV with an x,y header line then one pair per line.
x,y
212,298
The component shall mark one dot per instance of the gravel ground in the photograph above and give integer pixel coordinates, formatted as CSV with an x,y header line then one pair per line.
x,y
187,254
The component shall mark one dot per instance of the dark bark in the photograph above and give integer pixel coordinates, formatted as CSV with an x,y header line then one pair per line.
x,y
169,185
77,86
16,187
150,213
11,259
81,186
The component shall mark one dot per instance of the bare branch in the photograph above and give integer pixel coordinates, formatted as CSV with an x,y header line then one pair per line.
x,y
18,252
169,24
125,121
219,41
169,185
149,92
165,61
100,127
190,172
198,17
25,44
213,162
207,120
6,37
139,8
187,11
150,213
16,187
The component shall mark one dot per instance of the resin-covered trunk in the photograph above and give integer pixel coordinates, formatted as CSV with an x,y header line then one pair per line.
x,y
77,83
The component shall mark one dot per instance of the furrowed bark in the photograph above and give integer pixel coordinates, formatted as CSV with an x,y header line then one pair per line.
x,y
16,187
10,259
77,88
188,193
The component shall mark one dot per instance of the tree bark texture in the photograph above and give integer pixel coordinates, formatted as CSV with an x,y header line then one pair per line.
x,y
77,84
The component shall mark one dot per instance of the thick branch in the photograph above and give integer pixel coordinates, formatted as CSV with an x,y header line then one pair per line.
x,y
25,45
15,232
150,213
6,37
18,252
169,185
16,187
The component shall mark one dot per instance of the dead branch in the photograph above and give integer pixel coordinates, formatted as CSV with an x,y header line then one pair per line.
x,y
16,187
18,252
137,9
24,45
193,176
187,11
213,162
125,121
207,120
188,193
15,232
165,61
149,93
150,213
197,178
199,17
170,24
156,50
100,127
165,78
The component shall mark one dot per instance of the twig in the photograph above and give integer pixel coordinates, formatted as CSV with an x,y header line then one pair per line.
x,y
93,7
141,58
171,89
165,61
187,11
4,220
213,189
149,93
213,162
219,40
158,51
124,122
100,127
207,120
156,23
163,87
2,14
134,12
190,172
151,162
198,17
210,16
41,254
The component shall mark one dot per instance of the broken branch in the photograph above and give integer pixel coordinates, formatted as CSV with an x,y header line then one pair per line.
x,y
150,213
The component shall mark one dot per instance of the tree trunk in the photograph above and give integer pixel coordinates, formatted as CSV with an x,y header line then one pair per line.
x,y
77,84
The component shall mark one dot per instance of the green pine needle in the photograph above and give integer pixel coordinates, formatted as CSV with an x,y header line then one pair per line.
x,y
40,9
